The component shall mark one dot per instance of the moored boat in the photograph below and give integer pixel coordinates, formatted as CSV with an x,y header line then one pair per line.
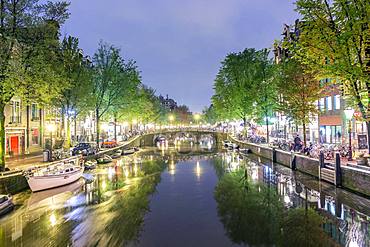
x,y
128,151
104,160
90,164
6,204
117,154
53,176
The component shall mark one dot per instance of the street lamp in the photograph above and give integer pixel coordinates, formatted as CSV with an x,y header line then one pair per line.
x,y
349,114
51,128
171,118
196,118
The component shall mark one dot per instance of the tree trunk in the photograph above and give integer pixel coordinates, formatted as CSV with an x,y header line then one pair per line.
x,y
304,134
2,137
41,130
27,129
267,130
245,126
75,127
97,126
115,128
67,137
368,135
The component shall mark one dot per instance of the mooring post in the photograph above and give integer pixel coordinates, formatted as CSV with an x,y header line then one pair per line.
x,y
321,163
338,171
274,155
293,164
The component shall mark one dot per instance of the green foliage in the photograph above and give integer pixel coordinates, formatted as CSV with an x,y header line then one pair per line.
x,y
299,91
334,40
28,55
245,86
210,115
303,228
251,213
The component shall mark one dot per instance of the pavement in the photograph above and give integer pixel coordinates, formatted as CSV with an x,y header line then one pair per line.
x,y
24,161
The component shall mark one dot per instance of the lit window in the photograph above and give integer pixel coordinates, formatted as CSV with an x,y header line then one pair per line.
x,y
337,102
329,105
322,104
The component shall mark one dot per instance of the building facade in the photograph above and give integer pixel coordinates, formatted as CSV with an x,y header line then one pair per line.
x,y
23,128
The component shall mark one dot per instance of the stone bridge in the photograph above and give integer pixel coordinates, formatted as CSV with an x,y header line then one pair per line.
x,y
195,135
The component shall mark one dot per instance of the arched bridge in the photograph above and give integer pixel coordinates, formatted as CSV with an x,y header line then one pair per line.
x,y
193,134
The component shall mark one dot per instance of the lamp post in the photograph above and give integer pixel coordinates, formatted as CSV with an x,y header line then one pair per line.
x,y
171,118
196,118
51,128
349,114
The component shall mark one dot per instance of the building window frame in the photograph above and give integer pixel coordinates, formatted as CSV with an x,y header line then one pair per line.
x,y
337,102
16,114
329,103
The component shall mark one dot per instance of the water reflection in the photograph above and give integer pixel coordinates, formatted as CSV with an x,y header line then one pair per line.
x,y
268,195
109,210
197,197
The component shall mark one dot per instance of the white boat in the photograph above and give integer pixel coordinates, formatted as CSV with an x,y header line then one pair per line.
x,y
54,176
55,196
128,151
6,204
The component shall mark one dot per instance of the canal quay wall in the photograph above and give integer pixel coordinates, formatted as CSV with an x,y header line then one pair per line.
x,y
353,178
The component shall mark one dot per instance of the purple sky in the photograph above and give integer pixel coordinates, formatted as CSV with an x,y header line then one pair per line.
x,y
179,44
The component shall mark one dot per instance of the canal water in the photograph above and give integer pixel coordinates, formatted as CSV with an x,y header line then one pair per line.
x,y
189,196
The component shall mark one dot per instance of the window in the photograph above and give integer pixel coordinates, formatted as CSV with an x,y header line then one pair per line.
x,y
329,105
337,102
35,113
15,111
330,134
322,104
35,136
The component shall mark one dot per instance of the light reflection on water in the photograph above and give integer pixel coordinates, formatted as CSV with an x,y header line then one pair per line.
x,y
199,199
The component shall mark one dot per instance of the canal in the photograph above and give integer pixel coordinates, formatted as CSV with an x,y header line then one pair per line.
x,y
189,196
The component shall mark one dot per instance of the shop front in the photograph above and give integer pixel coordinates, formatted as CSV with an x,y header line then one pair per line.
x,y
331,129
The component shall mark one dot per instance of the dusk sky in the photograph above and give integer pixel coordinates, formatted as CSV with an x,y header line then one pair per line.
x,y
179,44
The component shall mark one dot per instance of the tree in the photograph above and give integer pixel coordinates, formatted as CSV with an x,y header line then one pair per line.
x,y
334,40
111,76
28,44
265,88
76,72
299,92
210,115
234,97
183,114
245,87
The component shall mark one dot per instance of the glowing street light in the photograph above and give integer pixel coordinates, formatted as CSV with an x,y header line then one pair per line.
x,y
197,117
171,118
349,114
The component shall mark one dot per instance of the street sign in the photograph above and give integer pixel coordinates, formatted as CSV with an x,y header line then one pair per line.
x,y
362,141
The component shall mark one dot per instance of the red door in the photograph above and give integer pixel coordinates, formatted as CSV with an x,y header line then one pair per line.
x,y
14,144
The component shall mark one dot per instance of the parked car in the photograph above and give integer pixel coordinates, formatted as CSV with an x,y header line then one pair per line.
x,y
85,148
109,144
